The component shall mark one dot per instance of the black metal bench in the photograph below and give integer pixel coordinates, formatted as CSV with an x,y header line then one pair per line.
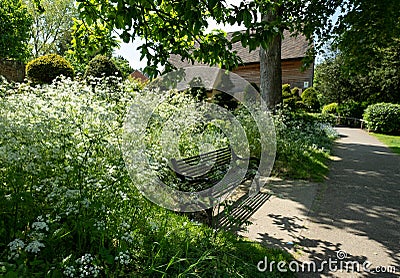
x,y
204,171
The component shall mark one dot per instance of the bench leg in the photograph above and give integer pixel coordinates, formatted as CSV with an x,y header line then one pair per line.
x,y
209,213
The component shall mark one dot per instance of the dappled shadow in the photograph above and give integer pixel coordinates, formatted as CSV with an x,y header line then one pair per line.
x,y
240,212
356,209
362,198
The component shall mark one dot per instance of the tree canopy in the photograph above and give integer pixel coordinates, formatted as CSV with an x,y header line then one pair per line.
x,y
367,28
52,23
366,62
15,23
178,27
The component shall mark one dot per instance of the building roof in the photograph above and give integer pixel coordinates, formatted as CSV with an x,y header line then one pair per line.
x,y
138,75
292,48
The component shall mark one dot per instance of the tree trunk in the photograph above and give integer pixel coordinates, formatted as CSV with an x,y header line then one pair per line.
x,y
271,72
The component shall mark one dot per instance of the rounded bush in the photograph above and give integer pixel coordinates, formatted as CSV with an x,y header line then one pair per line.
x,y
101,66
310,99
383,117
46,68
331,108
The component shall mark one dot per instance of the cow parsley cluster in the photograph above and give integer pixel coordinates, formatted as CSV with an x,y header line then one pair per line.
x,y
123,258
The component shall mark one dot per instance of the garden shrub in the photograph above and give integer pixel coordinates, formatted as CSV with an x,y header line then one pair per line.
x,y
291,97
101,66
310,99
296,93
304,142
70,209
123,65
331,108
383,117
286,92
46,68
352,109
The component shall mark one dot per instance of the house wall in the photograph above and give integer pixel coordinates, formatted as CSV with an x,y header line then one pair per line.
x,y
291,73
12,70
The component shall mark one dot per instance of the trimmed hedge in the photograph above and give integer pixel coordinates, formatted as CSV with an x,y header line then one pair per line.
x,y
291,97
101,66
383,117
310,99
46,68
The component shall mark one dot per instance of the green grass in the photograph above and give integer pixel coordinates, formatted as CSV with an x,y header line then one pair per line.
x,y
303,147
311,165
392,141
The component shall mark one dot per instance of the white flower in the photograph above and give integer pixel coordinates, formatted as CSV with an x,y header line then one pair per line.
x,y
127,237
87,268
69,271
34,246
16,244
85,259
40,226
123,258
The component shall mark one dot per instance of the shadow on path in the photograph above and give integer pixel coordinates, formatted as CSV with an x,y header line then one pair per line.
x,y
358,208
355,213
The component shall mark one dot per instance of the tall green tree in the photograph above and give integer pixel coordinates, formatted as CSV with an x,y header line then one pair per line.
x,y
178,27
366,43
15,24
91,38
51,28
366,29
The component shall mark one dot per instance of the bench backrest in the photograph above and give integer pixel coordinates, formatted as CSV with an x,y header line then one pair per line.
x,y
202,165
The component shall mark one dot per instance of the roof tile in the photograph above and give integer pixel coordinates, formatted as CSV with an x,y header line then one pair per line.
x,y
292,47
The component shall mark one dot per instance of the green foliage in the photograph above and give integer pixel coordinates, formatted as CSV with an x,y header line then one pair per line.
x,y
286,92
296,93
51,28
101,66
366,63
337,82
291,97
383,117
310,99
14,29
123,65
332,108
304,142
46,68
70,209
368,27
352,109
89,40
252,132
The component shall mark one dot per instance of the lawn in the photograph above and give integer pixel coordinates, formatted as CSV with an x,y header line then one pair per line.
x,y
392,141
